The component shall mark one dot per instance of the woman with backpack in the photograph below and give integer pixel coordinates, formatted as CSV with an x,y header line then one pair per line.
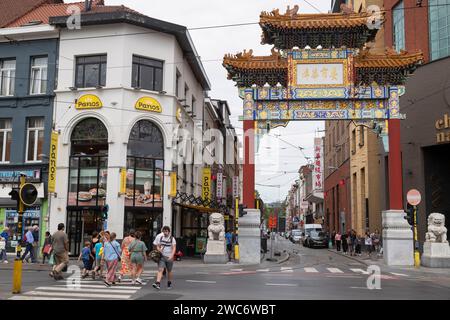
x,y
137,251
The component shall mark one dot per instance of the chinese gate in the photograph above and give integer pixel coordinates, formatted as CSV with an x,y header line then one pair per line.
x,y
338,80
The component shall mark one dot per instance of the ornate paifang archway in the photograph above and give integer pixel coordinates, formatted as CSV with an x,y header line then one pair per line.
x,y
339,80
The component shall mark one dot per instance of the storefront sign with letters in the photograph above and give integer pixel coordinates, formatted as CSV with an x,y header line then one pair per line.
x,y
148,104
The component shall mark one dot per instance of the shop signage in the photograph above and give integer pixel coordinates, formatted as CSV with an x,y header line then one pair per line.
x,y
443,129
173,184
123,181
320,74
235,186
318,165
32,212
13,176
206,184
52,164
88,101
219,184
148,104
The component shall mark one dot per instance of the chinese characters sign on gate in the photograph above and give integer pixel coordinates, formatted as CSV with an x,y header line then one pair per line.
x,y
320,74
318,165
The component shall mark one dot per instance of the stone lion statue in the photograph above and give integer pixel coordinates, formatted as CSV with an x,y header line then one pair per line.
x,y
437,232
216,228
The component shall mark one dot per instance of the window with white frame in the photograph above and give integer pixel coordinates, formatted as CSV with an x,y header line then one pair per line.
x,y
38,79
8,76
5,140
35,138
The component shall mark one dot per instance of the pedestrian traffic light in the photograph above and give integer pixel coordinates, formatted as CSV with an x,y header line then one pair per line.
x,y
105,210
28,194
410,215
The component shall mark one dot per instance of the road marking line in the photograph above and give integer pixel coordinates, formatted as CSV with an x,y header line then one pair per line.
x,y
202,272
81,295
399,274
94,286
286,268
262,270
287,271
311,270
335,270
237,270
359,288
201,281
359,271
105,290
282,284
343,276
39,298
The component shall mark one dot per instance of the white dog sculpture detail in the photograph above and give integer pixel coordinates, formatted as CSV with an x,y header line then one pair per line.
x,y
216,228
437,232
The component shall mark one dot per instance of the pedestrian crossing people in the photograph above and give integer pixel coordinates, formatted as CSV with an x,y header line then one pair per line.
x,y
137,250
112,254
125,259
167,245
60,246
86,256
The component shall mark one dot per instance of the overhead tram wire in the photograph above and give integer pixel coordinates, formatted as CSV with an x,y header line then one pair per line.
x,y
228,25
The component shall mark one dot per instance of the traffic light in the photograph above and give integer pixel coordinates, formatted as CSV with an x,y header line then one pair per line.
x,y
410,215
241,210
105,210
28,194
15,195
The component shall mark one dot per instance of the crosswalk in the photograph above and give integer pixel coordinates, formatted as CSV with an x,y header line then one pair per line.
x,y
332,271
86,289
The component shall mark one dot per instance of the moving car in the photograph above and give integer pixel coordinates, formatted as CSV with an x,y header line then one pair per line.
x,y
296,235
315,238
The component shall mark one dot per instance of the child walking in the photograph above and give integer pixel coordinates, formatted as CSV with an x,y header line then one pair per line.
x,y
86,256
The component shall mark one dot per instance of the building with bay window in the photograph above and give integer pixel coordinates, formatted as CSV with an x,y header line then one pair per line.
x,y
119,105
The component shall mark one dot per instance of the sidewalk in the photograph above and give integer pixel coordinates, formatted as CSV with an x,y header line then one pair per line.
x,y
380,262
149,264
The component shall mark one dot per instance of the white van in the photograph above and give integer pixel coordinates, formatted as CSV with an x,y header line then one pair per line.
x,y
312,227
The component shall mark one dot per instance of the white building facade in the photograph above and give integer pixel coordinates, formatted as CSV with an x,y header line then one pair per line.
x,y
125,84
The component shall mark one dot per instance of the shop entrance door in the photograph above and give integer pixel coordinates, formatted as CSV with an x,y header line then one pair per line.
x,y
74,231
81,223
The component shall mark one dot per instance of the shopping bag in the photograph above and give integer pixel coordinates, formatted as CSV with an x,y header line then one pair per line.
x,y
51,260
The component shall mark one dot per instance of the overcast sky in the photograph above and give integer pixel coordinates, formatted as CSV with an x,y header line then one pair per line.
x,y
274,156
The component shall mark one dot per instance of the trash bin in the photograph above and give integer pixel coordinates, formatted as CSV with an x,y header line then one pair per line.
x,y
264,244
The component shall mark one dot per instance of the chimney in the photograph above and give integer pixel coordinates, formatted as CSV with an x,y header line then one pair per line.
x,y
87,5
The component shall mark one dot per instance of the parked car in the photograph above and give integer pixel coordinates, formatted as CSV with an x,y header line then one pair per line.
x,y
296,235
314,238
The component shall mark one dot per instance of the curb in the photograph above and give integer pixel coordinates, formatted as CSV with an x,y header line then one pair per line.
x,y
284,260
367,263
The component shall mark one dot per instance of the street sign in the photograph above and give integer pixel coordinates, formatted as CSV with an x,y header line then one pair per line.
x,y
413,197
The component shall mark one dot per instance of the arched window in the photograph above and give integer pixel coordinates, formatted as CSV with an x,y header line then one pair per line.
x,y
89,137
145,166
88,164
146,140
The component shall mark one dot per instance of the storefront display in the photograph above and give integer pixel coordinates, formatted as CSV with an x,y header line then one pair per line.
x,y
31,217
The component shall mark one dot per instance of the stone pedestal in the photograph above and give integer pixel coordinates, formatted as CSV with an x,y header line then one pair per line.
x,y
215,252
436,255
250,237
398,244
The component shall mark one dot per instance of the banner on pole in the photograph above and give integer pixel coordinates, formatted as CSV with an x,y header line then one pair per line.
x,y
52,162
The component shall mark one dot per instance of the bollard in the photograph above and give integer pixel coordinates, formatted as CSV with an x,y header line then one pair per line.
x,y
236,252
17,276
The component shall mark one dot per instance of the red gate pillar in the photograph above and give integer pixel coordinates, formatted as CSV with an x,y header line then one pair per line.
x,y
395,166
248,183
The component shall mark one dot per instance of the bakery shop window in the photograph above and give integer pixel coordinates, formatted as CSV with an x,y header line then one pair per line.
x,y
145,166
88,172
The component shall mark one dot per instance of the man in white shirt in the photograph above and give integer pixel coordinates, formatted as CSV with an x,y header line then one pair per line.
x,y
166,244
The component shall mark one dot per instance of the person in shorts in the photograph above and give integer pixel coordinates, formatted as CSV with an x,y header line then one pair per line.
x,y
137,250
86,256
166,244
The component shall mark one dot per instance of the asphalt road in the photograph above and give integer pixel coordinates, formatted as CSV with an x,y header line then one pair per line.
x,y
316,274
